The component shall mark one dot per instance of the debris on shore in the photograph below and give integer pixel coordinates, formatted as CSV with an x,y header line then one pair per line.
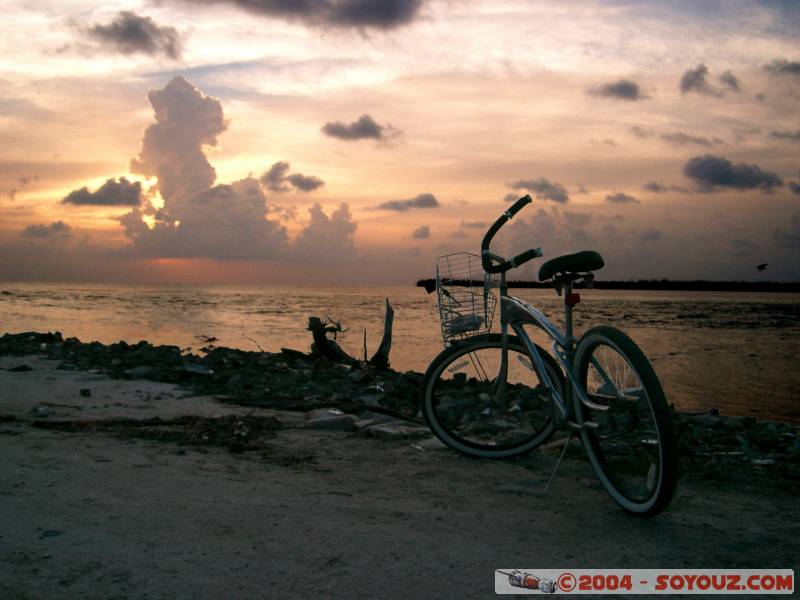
x,y
369,399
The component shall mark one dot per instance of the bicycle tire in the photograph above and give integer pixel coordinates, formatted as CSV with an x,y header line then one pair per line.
x,y
441,417
637,469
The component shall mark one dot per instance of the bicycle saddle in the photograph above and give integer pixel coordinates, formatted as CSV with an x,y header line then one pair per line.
x,y
579,262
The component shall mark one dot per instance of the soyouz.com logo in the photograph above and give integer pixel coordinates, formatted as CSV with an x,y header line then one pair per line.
x,y
644,581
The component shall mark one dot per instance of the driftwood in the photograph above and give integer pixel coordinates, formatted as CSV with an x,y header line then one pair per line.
x,y
327,347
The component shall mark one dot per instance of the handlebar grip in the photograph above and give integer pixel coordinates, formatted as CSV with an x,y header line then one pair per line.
x,y
521,259
518,205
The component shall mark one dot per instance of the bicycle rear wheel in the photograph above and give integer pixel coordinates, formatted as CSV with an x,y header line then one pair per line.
x,y
475,411
633,450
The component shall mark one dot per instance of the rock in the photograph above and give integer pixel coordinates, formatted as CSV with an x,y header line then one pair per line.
x,y
21,368
431,443
333,423
85,392
143,372
197,369
321,413
373,399
374,419
397,431
40,412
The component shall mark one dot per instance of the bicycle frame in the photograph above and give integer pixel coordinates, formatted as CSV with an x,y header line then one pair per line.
x,y
514,313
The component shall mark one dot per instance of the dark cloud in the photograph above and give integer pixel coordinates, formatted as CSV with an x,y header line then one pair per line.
x,y
364,128
794,187
654,186
742,133
578,218
511,197
58,229
542,188
421,201
641,132
713,171
622,198
730,81
374,14
458,234
789,237
623,89
582,190
680,138
111,193
786,135
694,80
305,183
275,178
421,233
130,33
782,66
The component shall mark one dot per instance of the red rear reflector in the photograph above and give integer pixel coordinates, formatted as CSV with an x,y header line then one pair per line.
x,y
572,299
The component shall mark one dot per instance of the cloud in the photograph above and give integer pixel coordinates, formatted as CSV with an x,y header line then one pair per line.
x,y
730,81
111,193
789,237
130,33
474,224
623,89
782,66
682,139
326,239
426,200
641,132
364,128
621,198
363,14
276,178
58,229
421,233
542,188
794,187
172,148
660,188
198,219
694,80
654,186
712,171
305,183
786,135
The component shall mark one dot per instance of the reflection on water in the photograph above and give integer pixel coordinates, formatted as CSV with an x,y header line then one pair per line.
x,y
734,351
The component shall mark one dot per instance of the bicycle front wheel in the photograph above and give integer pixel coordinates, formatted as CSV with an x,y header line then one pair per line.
x,y
633,450
476,409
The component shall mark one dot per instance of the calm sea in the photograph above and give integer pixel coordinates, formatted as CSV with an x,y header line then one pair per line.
x,y
734,351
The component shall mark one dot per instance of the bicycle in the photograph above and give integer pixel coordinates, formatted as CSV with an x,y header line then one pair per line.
x,y
500,395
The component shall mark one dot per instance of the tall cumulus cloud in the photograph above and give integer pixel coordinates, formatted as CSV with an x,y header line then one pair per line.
x,y
199,218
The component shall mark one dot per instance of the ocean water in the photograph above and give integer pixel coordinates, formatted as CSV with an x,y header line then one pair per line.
x,y
738,352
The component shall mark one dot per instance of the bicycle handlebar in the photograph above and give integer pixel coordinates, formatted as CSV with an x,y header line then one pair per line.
x,y
504,265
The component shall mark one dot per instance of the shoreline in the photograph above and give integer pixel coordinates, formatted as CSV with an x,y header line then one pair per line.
x,y
292,380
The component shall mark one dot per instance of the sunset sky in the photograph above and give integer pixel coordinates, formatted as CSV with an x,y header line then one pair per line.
x,y
253,141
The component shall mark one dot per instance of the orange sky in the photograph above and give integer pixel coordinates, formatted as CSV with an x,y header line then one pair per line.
x,y
664,135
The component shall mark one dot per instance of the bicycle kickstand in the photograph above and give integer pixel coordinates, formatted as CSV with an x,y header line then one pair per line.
x,y
558,463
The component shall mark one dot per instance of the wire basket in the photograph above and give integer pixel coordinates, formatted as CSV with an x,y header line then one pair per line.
x,y
466,306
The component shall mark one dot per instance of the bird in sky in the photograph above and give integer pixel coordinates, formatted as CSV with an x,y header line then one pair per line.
x,y
762,266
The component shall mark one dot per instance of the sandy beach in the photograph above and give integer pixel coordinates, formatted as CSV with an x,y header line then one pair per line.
x,y
89,510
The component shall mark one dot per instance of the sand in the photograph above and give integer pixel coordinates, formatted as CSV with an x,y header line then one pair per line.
x,y
97,514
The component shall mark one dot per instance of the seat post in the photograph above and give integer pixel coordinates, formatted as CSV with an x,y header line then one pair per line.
x,y
568,315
